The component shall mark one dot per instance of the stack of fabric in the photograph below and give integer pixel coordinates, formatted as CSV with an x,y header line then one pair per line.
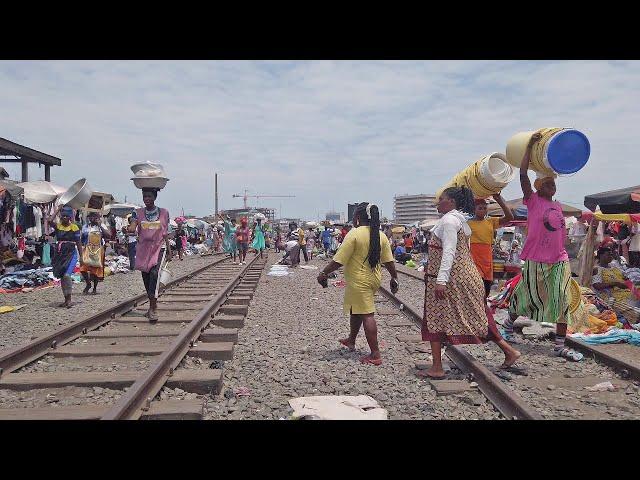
x,y
17,281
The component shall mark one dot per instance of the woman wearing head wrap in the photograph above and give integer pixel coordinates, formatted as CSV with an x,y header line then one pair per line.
x,y
455,311
67,253
242,239
93,240
543,292
152,226
482,233
364,249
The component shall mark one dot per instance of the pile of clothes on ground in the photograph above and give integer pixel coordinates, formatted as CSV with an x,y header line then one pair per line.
x,y
196,249
116,264
24,280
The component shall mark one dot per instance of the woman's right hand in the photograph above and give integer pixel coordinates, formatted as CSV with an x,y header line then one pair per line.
x,y
534,138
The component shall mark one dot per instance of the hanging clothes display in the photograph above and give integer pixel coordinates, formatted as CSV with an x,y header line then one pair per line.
x,y
46,254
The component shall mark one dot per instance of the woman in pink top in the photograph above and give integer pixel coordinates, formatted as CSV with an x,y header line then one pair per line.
x,y
152,226
543,292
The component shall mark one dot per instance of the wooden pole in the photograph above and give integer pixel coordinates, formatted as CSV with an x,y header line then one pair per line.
x,y
47,173
216,176
587,261
25,170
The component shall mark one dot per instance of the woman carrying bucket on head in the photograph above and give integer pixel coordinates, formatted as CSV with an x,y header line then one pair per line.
x,y
67,252
152,226
482,233
543,292
229,244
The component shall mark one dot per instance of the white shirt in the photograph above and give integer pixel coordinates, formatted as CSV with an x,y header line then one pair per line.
x,y
447,230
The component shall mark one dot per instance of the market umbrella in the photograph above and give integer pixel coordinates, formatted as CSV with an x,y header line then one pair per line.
x,y
12,187
195,223
624,200
41,191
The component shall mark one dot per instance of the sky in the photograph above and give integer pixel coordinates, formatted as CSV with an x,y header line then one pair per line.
x,y
328,132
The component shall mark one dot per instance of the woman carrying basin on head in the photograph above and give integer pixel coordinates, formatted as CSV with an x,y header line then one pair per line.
x,y
153,249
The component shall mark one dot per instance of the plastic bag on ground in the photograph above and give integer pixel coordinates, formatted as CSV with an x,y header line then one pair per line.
x,y
343,407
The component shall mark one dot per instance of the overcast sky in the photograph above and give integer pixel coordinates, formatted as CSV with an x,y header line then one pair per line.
x,y
328,132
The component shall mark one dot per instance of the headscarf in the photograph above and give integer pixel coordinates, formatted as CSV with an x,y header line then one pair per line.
x,y
66,212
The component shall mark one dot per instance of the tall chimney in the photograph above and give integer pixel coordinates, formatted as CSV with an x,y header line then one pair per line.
x,y
216,195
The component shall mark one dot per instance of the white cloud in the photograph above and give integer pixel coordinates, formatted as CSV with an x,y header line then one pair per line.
x,y
329,132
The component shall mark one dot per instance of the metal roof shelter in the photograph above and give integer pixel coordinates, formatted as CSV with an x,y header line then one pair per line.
x,y
26,155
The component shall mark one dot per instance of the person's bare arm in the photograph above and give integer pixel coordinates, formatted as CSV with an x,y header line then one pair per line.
x,y
525,183
508,214
393,283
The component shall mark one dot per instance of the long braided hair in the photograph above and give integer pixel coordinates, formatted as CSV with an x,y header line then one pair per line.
x,y
374,231
463,198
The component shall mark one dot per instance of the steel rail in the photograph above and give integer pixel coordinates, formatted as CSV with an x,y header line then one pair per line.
x,y
508,403
140,395
627,370
13,358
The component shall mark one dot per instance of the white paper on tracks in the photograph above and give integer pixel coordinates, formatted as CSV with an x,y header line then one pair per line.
x,y
339,407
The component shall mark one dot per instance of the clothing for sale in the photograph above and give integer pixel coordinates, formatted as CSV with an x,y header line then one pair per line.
x,y
46,254
26,278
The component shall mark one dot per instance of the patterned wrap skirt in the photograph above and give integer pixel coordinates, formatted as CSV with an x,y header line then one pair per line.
x,y
463,317
542,294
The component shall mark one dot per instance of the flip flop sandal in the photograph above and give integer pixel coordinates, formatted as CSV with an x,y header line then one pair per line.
x,y
153,317
371,361
569,354
351,349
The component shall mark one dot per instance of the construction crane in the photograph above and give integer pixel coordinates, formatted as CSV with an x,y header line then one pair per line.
x,y
245,196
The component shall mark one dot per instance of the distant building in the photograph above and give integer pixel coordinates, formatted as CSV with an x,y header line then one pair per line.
x,y
250,213
408,209
333,216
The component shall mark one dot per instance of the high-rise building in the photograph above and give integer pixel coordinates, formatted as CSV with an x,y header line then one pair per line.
x,y
333,216
408,209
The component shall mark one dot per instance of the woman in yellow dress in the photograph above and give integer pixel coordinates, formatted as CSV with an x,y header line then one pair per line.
x,y
483,230
362,252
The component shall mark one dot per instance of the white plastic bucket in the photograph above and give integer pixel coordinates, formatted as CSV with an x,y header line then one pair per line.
x,y
165,275
495,172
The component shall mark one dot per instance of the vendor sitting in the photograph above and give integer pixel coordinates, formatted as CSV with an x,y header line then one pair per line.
x,y
609,281
401,255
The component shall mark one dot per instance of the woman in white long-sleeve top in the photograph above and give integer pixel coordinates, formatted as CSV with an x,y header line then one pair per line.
x,y
454,306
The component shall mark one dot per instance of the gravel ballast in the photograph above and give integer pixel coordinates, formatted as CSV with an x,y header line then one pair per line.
x,y
555,387
289,348
41,315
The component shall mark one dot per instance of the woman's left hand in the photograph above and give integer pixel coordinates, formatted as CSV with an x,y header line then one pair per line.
x,y
441,292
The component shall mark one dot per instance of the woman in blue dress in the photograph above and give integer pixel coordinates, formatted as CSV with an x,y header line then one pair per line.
x,y
229,244
258,237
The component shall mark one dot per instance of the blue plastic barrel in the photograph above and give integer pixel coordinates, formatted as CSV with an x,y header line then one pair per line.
x,y
568,151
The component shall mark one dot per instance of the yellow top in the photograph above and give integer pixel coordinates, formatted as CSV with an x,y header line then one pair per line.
x,y
482,230
361,281
301,240
72,227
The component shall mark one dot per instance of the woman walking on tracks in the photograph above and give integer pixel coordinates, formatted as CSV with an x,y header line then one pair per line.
x,y
454,308
363,250
258,243
67,253
152,226
93,240
543,292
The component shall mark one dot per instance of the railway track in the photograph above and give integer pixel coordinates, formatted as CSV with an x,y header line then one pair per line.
x,y
554,388
114,364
